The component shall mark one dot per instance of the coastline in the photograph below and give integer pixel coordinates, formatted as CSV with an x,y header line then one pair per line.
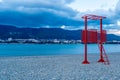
x,y
59,67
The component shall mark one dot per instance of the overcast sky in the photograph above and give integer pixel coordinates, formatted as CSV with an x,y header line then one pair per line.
x,y
60,13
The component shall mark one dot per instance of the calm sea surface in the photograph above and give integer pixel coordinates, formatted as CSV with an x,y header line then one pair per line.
x,y
52,49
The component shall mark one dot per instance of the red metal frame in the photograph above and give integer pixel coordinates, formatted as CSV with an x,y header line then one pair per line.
x,y
103,38
94,34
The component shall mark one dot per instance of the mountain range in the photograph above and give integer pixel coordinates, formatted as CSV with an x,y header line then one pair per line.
x,y
8,31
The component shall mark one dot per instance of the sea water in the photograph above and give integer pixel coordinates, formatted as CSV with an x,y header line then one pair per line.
x,y
53,49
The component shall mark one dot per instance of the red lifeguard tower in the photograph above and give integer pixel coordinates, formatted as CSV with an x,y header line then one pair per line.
x,y
94,36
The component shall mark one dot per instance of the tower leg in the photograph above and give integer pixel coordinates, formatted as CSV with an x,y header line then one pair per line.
x,y
101,54
85,56
85,62
101,43
101,60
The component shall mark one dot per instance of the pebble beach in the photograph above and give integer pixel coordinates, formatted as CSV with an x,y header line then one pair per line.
x,y
59,67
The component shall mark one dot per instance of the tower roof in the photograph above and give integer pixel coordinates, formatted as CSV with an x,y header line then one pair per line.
x,y
93,17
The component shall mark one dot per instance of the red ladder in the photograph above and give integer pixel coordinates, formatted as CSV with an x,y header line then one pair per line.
x,y
107,62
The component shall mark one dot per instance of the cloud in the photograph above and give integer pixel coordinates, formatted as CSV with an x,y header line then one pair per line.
x,y
117,7
31,13
53,13
1,1
114,31
63,26
118,22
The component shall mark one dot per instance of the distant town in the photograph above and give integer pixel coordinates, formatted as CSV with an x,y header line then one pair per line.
x,y
49,41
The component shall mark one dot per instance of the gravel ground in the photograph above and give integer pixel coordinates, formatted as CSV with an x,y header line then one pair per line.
x,y
59,67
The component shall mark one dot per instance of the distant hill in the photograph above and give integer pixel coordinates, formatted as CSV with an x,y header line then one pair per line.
x,y
7,31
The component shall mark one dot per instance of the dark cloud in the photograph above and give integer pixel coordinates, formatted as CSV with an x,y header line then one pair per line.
x,y
36,19
52,13
38,13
